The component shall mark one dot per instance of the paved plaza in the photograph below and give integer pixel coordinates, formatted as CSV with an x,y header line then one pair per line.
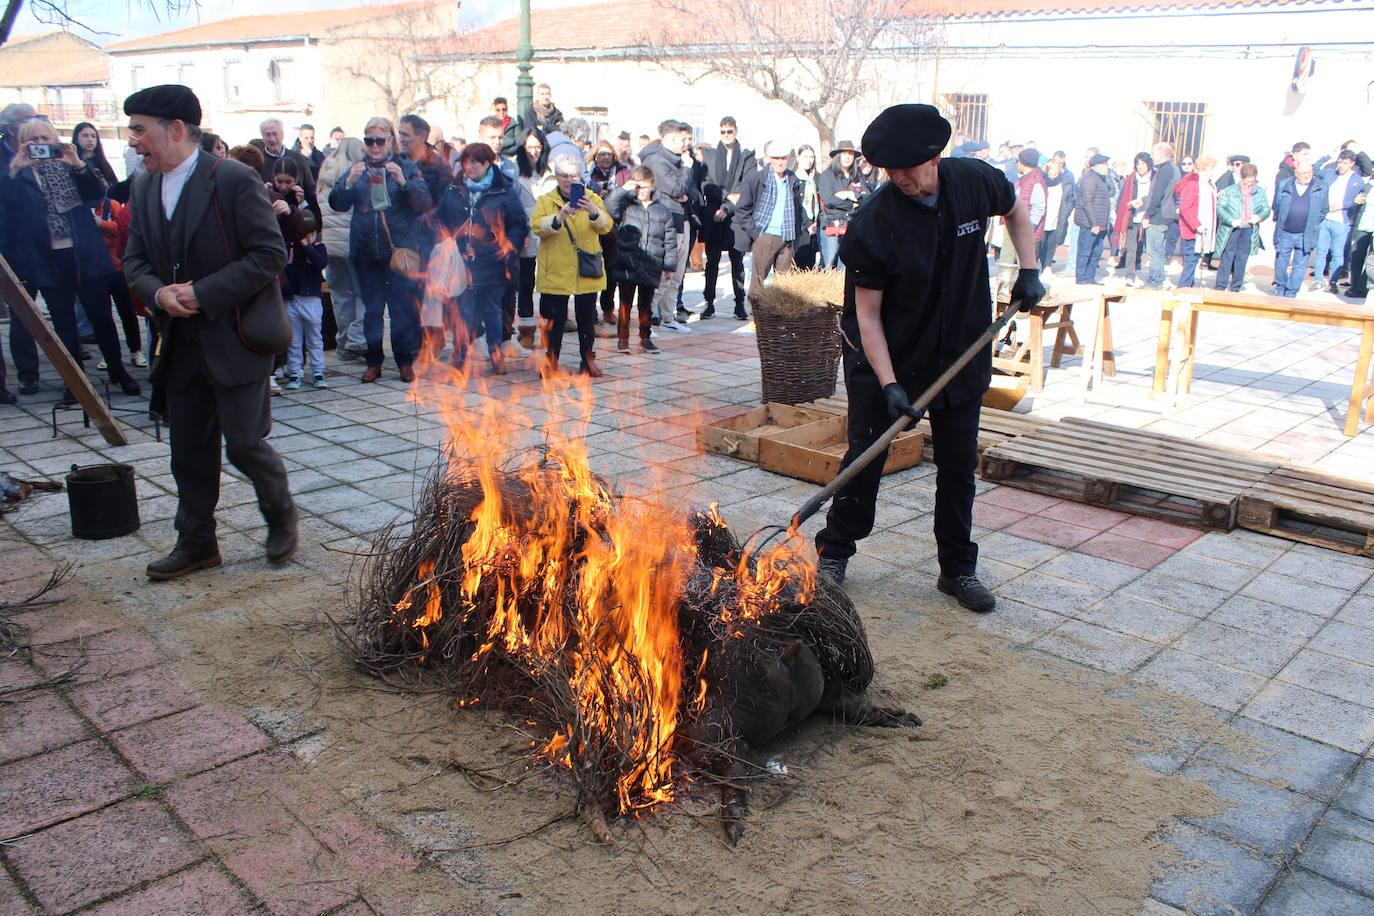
x,y
112,779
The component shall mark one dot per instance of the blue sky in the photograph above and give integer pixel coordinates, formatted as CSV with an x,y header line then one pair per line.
x,y
121,19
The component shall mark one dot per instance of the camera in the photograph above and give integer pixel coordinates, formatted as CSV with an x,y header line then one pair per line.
x,y
43,151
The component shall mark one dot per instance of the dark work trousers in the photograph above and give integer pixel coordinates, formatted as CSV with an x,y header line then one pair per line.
x,y
201,414
805,252
1359,255
124,305
955,433
608,253
23,348
95,297
712,267
508,299
628,291
770,252
1231,267
525,301
386,292
554,310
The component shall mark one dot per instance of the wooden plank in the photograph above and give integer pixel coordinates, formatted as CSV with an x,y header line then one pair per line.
x,y
1244,457
13,292
815,451
1130,459
738,436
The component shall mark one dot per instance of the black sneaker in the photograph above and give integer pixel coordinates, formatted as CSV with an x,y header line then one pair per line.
x,y
8,397
28,387
651,347
833,568
683,314
969,592
740,313
708,312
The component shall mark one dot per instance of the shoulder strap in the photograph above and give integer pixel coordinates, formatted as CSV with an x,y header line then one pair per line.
x,y
571,239
219,217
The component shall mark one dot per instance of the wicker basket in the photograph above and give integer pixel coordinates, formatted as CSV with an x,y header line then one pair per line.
x,y
799,351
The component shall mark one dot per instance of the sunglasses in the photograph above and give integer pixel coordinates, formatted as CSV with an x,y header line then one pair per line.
x,y
1187,162
725,130
375,141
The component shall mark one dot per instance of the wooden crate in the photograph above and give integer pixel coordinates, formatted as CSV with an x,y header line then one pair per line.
x,y
1304,505
814,451
738,436
1129,470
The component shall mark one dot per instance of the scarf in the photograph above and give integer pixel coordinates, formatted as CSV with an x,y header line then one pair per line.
x,y
58,184
1245,194
542,112
481,184
768,199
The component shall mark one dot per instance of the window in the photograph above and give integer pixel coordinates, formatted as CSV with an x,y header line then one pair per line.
x,y
136,78
1181,124
233,80
282,73
184,73
968,112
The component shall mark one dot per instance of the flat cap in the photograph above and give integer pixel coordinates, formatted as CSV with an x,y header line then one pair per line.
x,y
904,136
171,101
1099,159
1241,159
776,149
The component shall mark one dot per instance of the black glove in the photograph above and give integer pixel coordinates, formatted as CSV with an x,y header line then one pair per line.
x,y
898,403
1028,290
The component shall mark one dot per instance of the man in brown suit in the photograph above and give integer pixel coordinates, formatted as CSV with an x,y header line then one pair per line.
x,y
191,212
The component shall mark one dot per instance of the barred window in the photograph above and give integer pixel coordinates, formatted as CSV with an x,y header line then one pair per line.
x,y
968,112
1181,124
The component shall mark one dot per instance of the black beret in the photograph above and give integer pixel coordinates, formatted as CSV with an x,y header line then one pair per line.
x,y
1099,159
1241,159
1029,157
176,103
904,136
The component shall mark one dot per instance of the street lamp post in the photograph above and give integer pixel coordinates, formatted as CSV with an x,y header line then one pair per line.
x,y
524,56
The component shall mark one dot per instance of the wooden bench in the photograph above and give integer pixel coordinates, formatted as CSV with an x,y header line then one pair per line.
x,y
1192,302
1054,313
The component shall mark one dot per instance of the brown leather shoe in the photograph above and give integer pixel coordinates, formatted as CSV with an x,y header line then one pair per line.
x,y
281,539
371,374
407,373
182,561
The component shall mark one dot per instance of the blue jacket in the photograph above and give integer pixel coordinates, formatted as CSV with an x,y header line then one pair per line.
x,y
490,226
1316,208
367,237
1353,189
304,271
27,243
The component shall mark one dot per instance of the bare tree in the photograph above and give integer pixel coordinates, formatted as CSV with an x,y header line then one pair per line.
x,y
383,53
58,13
812,57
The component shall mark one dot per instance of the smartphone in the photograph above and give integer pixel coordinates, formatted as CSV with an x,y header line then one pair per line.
x,y
43,151
575,194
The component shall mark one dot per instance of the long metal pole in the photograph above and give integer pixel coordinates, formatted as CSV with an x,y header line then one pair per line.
x,y
524,57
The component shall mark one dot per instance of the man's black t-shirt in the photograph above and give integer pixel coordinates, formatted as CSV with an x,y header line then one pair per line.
x,y
931,266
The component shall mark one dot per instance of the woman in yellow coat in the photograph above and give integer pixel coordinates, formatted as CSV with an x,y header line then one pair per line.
x,y
560,223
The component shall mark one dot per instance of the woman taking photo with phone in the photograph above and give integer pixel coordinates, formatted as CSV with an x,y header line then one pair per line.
x,y
387,198
52,242
569,221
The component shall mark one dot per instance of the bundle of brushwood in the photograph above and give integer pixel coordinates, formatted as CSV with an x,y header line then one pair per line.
x,y
643,641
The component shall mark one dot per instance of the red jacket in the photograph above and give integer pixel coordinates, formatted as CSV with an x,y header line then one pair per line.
x,y
1186,192
1025,186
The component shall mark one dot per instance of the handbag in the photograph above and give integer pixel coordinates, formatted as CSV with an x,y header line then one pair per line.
x,y
262,323
405,261
589,264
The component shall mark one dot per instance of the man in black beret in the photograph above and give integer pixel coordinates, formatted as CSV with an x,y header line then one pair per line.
x,y
916,296
204,248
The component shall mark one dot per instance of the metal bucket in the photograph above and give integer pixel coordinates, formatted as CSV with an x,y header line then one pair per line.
x,y
102,500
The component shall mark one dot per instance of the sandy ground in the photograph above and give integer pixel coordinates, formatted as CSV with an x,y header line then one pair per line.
x,y
1022,793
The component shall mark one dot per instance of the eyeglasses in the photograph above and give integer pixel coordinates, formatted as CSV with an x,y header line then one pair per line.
x,y
375,141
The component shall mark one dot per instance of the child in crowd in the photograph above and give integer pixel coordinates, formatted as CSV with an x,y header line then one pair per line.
x,y
646,252
303,278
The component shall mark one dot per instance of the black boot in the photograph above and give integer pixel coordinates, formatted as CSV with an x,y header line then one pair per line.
x,y
282,539
708,312
969,592
183,560
125,381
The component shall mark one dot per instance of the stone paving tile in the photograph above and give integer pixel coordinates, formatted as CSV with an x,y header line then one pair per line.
x,y
1140,554
1328,674
1050,531
1020,623
1299,891
116,702
1095,571
1326,570
1283,760
12,902
1126,614
203,890
1247,651
1298,594
1176,594
1270,820
1313,715
1358,795
1215,877
103,853
1096,647
60,784
1209,570
1266,619
1017,551
1358,611
188,742
37,722
1019,500
1342,849
1347,641
1053,594
1155,531
1203,679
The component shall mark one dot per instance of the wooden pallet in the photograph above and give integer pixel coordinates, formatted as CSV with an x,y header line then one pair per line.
x,y
738,436
1304,505
1130,470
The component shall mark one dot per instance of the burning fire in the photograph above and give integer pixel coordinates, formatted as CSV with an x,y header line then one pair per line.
x,y
579,576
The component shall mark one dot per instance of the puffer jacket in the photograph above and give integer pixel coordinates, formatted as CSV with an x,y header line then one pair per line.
x,y
367,237
490,226
530,190
836,211
1230,207
1094,201
644,247
555,269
